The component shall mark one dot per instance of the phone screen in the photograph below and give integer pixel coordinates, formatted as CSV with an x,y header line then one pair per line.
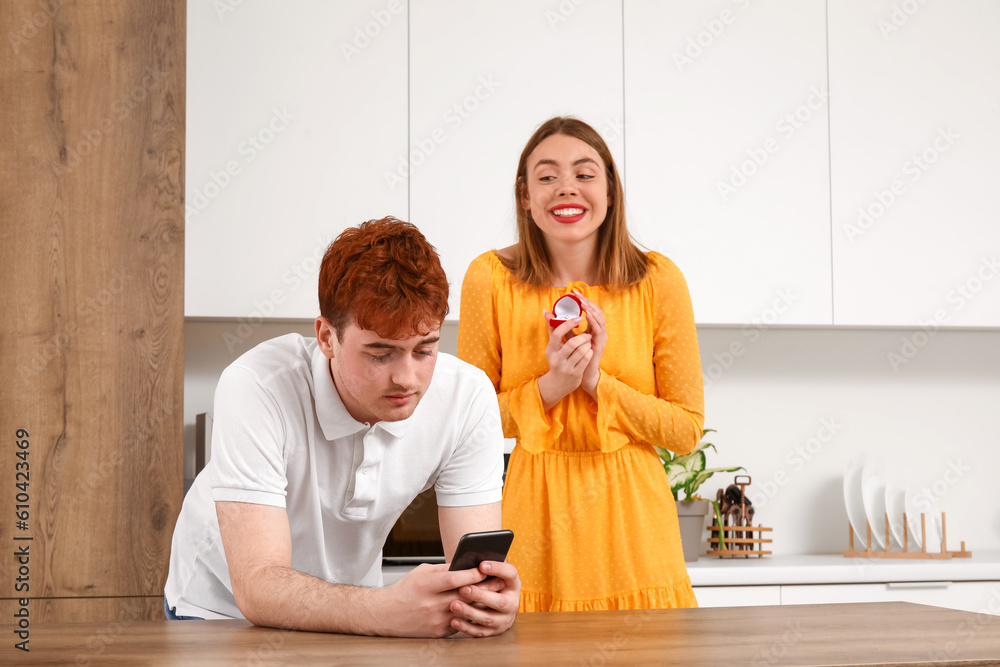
x,y
474,548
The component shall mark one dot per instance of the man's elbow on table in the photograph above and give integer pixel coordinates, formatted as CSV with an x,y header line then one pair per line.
x,y
249,592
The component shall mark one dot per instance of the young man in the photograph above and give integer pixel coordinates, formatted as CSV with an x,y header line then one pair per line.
x,y
320,444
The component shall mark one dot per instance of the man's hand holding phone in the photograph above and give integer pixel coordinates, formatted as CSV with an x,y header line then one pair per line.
x,y
487,608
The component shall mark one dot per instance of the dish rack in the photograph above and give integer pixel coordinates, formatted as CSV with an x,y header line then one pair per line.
x,y
746,544
905,553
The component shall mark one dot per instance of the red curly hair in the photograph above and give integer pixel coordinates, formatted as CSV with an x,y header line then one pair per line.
x,y
383,276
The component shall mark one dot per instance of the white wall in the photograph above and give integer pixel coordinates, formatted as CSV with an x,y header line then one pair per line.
x,y
924,400
933,418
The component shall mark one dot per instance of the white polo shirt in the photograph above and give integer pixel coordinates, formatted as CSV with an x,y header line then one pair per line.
x,y
283,437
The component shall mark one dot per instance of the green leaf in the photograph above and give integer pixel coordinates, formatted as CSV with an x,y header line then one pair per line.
x,y
681,469
718,522
687,471
703,475
698,453
664,454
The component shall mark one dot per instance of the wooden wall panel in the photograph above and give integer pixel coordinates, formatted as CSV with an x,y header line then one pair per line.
x,y
122,611
91,259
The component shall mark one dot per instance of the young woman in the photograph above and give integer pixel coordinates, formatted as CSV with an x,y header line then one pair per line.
x,y
594,521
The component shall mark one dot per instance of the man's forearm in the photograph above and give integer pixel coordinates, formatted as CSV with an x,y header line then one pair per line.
x,y
280,597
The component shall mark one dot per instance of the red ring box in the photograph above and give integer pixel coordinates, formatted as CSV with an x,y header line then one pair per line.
x,y
565,308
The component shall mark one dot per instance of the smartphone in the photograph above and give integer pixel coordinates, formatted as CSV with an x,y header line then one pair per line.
x,y
474,548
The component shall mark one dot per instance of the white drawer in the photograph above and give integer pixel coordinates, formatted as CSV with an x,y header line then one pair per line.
x,y
737,596
977,596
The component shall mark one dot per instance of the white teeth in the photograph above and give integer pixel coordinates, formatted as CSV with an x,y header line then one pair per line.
x,y
566,212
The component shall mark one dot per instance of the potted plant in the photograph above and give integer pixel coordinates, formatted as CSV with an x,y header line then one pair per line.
x,y
687,472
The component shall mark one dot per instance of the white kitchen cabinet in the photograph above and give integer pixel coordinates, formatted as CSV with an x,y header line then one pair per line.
x,y
726,140
975,596
874,206
296,113
915,134
737,596
483,77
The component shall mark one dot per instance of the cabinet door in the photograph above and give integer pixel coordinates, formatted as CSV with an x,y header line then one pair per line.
x,y
977,596
92,338
737,596
726,139
483,77
915,134
296,117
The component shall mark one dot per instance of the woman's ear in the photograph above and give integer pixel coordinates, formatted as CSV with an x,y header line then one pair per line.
x,y
522,193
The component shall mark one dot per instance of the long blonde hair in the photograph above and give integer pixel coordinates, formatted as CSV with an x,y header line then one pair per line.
x,y
620,262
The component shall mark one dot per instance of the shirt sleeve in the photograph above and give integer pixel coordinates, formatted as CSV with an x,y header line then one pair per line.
x,y
672,418
248,438
473,474
522,412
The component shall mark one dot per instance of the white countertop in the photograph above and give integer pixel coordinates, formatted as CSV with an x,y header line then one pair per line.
x,y
819,569
836,569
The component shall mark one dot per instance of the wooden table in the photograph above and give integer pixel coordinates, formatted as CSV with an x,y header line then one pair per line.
x,y
887,633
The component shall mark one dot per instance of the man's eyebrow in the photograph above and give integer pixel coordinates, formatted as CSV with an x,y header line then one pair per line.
x,y
382,346
379,345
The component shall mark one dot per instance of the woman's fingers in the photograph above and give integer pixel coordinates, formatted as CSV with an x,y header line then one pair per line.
x,y
568,355
595,316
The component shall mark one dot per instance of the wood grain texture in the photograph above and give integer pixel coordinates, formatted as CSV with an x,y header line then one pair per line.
x,y
891,633
91,256
46,611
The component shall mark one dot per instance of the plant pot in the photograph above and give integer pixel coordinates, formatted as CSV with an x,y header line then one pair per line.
x,y
691,517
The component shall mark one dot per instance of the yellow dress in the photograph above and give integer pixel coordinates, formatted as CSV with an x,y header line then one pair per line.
x,y
594,522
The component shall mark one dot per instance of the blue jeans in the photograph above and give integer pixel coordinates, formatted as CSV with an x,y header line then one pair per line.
x,y
172,615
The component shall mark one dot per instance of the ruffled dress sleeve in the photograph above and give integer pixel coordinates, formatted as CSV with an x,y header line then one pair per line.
x,y
673,417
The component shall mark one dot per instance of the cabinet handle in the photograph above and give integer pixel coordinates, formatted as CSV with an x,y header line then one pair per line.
x,y
918,584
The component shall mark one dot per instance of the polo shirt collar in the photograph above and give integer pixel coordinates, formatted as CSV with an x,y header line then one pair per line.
x,y
333,416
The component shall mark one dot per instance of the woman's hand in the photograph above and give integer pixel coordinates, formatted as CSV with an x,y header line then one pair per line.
x,y
568,356
598,339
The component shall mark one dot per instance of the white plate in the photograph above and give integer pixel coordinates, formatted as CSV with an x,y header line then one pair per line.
x,y
895,505
933,521
853,500
873,479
